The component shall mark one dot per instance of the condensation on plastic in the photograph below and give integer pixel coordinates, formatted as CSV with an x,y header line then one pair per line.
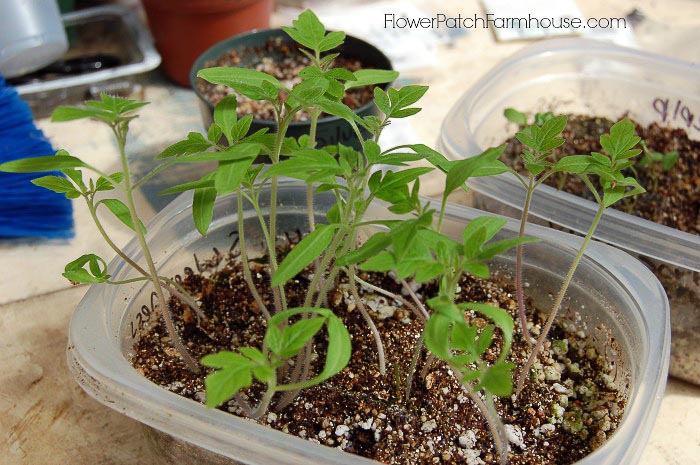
x,y
600,79
615,296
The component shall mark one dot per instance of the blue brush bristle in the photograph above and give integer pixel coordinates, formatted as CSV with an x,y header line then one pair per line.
x,y
27,210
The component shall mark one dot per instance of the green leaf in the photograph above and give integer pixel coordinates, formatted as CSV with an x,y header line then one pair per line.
x,y
463,337
460,171
56,184
552,128
338,109
393,180
305,252
669,160
498,380
485,339
515,116
381,99
375,244
248,82
225,383
253,354
203,208
331,40
96,272
501,319
337,73
496,248
295,337
62,114
572,164
381,262
206,181
56,162
273,337
241,128
367,77
307,92
103,184
231,174
308,31
195,143
436,330
225,116
490,224
122,213
214,134
239,152
338,349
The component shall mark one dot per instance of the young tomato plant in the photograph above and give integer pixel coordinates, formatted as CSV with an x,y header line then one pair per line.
x,y
413,249
116,113
620,147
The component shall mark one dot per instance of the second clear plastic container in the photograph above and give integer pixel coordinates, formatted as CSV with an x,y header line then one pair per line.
x,y
618,295
598,79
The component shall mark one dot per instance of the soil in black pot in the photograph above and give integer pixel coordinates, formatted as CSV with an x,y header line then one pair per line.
x,y
567,411
284,61
672,197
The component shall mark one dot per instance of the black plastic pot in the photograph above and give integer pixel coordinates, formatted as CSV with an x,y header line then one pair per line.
x,y
331,130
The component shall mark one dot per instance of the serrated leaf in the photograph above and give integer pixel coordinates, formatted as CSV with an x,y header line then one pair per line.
x,y
214,134
248,82
103,184
194,143
331,40
381,99
56,184
461,170
309,90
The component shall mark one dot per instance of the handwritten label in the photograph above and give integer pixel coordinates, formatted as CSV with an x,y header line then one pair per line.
x,y
675,111
143,317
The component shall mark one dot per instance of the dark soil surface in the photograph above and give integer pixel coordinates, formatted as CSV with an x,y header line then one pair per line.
x,y
672,197
566,411
283,61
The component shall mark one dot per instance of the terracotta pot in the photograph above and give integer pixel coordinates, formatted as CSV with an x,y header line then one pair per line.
x,y
183,29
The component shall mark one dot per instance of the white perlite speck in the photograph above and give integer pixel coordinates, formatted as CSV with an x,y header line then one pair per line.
x,y
341,430
472,457
515,435
467,440
428,426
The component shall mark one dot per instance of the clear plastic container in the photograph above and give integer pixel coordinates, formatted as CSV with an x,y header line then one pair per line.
x,y
599,79
616,291
112,30
31,36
